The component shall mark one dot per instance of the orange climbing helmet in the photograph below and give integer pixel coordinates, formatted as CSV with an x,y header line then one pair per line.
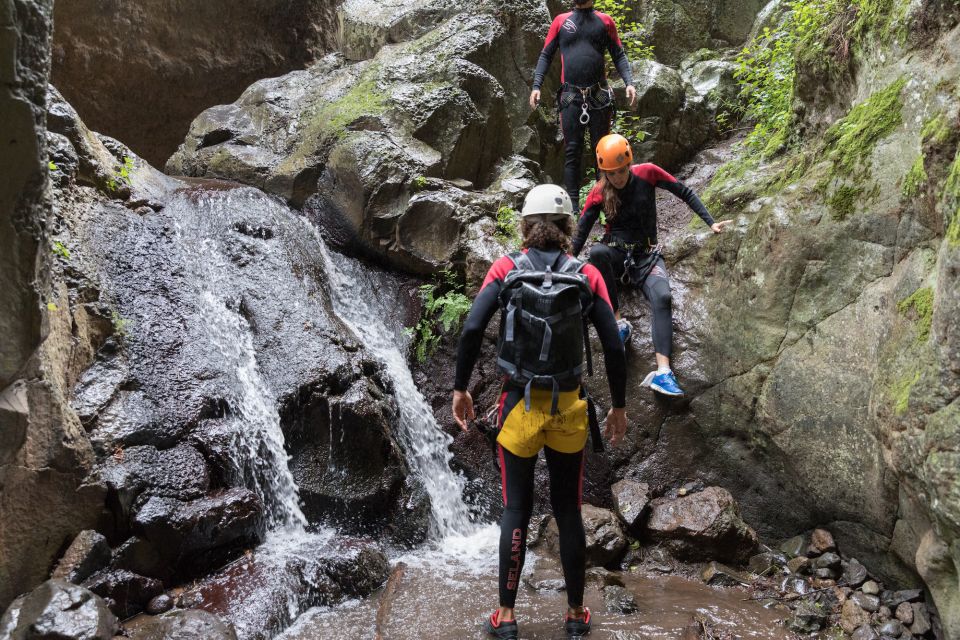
x,y
613,152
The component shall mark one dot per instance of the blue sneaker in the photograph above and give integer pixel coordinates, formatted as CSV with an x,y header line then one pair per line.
x,y
625,330
665,383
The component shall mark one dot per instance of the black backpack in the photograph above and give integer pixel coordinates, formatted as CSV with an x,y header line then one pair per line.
x,y
543,330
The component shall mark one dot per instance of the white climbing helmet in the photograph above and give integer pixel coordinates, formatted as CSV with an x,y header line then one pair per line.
x,y
549,200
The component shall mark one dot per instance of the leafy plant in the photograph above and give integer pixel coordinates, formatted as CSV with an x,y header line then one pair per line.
x,y
419,183
61,250
51,165
52,306
442,314
630,30
508,231
121,175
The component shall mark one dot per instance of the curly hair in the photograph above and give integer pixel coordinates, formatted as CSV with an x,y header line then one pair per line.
x,y
539,234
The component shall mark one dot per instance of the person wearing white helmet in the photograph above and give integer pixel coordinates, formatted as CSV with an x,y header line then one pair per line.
x,y
546,296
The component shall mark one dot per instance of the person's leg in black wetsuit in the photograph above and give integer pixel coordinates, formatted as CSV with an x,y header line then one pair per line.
x,y
609,262
517,477
566,473
656,288
573,133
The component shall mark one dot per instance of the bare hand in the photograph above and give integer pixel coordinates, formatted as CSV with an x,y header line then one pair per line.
x,y
632,94
463,408
717,227
616,425
534,98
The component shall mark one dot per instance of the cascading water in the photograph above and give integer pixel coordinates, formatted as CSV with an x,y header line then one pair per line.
x,y
426,447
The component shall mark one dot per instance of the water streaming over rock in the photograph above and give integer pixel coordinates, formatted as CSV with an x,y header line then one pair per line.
x,y
426,447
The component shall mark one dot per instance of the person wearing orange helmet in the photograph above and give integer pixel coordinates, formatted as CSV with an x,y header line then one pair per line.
x,y
629,252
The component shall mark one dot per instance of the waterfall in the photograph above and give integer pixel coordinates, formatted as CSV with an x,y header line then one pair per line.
x,y
353,294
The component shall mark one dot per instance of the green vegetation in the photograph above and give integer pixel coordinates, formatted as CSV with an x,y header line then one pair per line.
x,y
851,140
330,120
508,227
936,129
901,392
921,301
51,165
120,324
622,12
951,190
61,250
628,125
442,314
916,178
843,201
121,175
418,183
52,306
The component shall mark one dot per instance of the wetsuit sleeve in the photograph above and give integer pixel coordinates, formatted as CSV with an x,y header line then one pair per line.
x,y
663,180
601,315
617,52
484,306
546,55
591,211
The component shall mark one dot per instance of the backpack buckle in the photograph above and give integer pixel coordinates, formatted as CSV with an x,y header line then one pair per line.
x,y
548,278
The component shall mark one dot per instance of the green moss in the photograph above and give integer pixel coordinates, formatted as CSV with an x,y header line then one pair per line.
x,y
951,190
936,129
843,201
508,227
921,302
915,178
852,140
726,177
364,99
900,392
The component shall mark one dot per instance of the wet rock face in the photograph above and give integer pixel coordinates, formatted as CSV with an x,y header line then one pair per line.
x,y
57,609
87,554
171,60
186,624
676,28
44,453
702,526
256,592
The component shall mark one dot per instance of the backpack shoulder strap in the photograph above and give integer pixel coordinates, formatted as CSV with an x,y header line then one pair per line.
x,y
572,265
521,261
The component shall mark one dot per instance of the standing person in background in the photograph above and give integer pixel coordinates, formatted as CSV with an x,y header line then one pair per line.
x,y
546,296
629,251
585,99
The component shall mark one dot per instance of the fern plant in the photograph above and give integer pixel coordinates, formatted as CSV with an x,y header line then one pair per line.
x,y
442,314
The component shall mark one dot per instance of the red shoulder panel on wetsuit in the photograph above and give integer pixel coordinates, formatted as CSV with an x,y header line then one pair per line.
x,y
611,27
498,271
555,28
594,198
651,173
596,283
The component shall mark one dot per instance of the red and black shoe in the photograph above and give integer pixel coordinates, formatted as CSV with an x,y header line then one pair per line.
x,y
577,627
503,629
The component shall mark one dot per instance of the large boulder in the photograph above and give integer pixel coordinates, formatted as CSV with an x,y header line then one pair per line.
x,y
701,526
606,542
58,609
87,554
367,26
127,592
358,143
184,624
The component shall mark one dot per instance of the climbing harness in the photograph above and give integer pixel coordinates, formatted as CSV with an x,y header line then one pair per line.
x,y
640,261
593,98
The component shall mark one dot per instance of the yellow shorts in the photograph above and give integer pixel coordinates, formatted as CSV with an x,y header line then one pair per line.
x,y
524,433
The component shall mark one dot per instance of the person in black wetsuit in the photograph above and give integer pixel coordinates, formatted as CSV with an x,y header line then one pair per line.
x,y
626,193
523,431
582,36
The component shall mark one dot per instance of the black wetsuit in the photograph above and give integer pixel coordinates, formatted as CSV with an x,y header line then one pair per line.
x,y
566,469
582,36
634,229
